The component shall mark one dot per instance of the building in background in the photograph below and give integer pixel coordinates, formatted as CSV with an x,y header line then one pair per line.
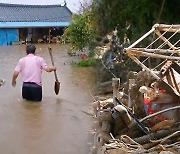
x,y
32,23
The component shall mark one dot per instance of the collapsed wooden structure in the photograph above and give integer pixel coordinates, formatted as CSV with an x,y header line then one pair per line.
x,y
143,116
166,50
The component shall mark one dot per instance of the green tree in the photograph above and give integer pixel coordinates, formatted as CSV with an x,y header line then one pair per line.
x,y
80,33
133,17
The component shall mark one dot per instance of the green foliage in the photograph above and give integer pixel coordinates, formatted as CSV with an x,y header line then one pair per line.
x,y
133,17
80,32
91,61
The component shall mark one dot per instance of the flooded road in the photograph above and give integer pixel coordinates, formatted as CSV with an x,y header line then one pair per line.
x,y
58,124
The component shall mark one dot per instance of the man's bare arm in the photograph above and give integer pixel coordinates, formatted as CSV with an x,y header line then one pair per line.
x,y
50,69
15,75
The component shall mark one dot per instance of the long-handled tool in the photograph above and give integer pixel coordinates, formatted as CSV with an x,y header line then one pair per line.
x,y
57,83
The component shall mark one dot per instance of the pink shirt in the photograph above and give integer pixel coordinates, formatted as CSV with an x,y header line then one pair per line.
x,y
30,68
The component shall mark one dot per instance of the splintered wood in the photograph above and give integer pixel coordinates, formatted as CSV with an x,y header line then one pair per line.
x,y
164,46
144,116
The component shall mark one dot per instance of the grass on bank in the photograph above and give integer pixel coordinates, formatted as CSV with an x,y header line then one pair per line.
x,y
89,62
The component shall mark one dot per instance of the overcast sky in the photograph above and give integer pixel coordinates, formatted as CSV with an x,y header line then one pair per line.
x,y
73,5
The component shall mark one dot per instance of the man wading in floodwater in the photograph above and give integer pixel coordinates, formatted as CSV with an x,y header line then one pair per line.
x,y
30,67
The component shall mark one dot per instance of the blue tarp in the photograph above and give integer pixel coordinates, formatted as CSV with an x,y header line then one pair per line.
x,y
8,35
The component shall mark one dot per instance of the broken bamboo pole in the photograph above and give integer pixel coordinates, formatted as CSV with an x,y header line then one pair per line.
x,y
152,55
173,30
166,26
163,27
164,51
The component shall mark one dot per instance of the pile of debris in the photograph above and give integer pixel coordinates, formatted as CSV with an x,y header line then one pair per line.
x,y
142,115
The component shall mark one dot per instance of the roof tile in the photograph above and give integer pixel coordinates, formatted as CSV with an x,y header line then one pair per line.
x,y
33,13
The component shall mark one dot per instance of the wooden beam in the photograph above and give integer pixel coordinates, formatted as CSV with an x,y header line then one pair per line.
x,y
153,55
173,30
161,26
155,136
163,83
164,51
144,67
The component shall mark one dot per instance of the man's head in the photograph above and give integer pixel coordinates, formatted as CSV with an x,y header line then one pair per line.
x,y
30,49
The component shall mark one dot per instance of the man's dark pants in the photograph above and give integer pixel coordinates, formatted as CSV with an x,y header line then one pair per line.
x,y
31,91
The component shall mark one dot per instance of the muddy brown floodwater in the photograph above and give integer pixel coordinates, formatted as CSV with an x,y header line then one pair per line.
x,y
57,125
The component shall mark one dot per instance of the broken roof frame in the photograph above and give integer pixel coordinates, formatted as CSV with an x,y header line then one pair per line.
x,y
134,52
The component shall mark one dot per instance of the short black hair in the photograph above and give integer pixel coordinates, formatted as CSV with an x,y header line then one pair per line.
x,y
30,48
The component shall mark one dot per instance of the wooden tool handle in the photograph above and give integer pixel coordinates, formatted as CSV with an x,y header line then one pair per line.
x,y
52,60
